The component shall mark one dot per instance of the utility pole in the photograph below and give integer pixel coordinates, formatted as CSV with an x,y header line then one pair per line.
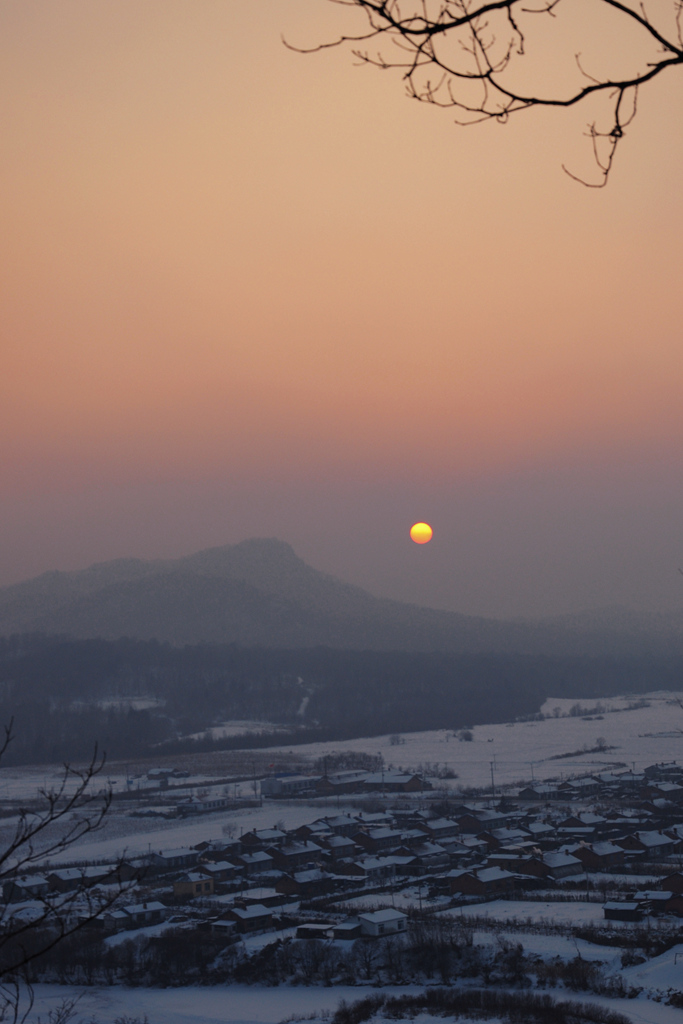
x,y
493,785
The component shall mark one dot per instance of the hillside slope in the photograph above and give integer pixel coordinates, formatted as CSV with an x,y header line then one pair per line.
x,y
259,592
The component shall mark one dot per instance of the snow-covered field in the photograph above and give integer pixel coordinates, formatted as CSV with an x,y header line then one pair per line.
x,y
549,946
576,912
235,728
518,751
236,1004
257,1005
521,751
137,836
662,973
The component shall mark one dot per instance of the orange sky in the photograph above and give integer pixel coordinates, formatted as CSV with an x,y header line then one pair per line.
x,y
247,291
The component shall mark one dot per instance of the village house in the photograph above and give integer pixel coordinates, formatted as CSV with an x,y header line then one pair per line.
x,y
224,928
670,791
562,865
340,848
255,918
597,856
349,929
541,832
474,823
315,931
540,791
266,895
673,882
315,830
519,863
427,857
193,884
291,856
262,838
624,910
219,870
305,884
674,904
202,805
142,914
342,825
68,879
576,789
396,782
583,821
375,869
219,849
654,901
649,845
382,923
23,887
378,840
498,837
115,920
350,781
255,863
439,828
481,882
288,785
167,860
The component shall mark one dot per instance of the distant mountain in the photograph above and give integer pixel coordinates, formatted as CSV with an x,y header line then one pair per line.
x,y
260,593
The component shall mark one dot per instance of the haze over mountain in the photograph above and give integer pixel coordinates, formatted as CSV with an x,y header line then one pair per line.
x,y
259,593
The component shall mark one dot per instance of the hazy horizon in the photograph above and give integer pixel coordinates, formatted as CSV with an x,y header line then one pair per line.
x,y
249,293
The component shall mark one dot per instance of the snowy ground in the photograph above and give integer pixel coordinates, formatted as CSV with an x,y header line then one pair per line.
x,y
549,946
519,750
236,1004
235,728
256,1005
122,835
641,736
662,973
574,912
522,750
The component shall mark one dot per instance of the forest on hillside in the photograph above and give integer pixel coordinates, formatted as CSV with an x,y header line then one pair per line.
x,y
144,698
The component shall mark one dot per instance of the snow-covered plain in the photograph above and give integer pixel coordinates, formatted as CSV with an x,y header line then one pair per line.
x,y
236,727
521,751
258,1005
236,1004
549,946
576,912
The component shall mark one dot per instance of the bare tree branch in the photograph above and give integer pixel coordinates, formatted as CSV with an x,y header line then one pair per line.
x,y
445,47
70,811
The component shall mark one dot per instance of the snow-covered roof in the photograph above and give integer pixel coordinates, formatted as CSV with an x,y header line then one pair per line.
x,y
653,839
383,916
255,910
143,908
493,874
558,860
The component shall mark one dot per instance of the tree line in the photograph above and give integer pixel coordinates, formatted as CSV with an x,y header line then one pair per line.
x,y
65,695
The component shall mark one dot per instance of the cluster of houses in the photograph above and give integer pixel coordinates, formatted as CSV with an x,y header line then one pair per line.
x,y
255,882
344,782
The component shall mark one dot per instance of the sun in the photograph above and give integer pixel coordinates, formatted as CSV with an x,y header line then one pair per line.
x,y
421,533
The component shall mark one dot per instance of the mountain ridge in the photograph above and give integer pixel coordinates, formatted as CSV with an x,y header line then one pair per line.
x,y
259,592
